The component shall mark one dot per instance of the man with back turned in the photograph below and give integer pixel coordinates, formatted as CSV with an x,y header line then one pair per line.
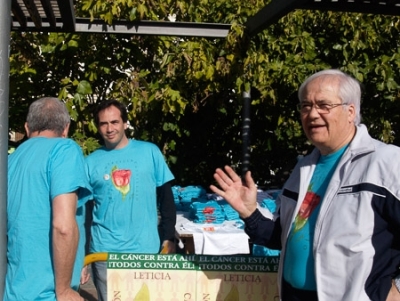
x,y
47,185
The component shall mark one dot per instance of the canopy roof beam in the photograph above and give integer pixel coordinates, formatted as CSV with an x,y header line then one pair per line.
x,y
276,9
160,28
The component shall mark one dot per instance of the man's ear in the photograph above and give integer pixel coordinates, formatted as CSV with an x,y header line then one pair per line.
x,y
27,129
65,131
352,113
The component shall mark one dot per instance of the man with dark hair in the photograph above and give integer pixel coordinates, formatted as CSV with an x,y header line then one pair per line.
x,y
338,216
129,177
47,186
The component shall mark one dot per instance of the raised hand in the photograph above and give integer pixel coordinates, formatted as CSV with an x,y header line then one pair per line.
x,y
241,196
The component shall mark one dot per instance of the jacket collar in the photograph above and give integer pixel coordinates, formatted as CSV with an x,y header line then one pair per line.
x,y
362,142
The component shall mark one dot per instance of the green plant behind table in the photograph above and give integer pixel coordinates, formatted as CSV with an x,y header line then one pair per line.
x,y
185,93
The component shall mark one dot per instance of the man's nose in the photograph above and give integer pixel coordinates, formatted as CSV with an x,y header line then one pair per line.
x,y
314,111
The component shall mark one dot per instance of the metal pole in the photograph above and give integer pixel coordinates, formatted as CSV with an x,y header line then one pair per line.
x,y
246,133
5,29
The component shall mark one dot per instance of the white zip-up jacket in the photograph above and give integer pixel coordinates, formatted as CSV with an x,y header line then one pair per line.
x,y
357,234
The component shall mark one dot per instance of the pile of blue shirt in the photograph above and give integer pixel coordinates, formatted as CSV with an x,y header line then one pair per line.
x,y
206,212
183,196
268,203
230,213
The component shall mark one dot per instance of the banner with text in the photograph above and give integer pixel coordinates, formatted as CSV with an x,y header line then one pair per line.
x,y
176,277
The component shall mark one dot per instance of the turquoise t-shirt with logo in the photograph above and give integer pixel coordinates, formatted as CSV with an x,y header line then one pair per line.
x,y
124,183
298,267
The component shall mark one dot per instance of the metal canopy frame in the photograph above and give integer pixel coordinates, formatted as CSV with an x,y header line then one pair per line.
x,y
276,9
160,28
58,16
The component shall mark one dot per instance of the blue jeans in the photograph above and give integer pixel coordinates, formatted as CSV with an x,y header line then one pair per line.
x,y
99,274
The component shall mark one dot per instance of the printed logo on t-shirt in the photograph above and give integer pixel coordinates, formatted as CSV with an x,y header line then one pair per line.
x,y
311,200
121,180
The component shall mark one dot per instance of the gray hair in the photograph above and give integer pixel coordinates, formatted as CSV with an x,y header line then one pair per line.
x,y
349,90
48,113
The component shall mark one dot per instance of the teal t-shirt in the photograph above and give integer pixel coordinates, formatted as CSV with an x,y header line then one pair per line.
x,y
40,169
298,267
124,185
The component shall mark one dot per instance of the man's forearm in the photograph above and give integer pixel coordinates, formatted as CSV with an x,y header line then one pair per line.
x,y
65,234
263,231
65,242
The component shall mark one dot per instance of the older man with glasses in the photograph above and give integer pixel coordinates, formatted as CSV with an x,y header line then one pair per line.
x,y
338,216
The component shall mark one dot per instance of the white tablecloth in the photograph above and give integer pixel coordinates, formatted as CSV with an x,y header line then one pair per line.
x,y
227,238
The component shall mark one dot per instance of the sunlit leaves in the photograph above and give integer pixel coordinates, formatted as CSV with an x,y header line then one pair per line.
x,y
185,93
84,88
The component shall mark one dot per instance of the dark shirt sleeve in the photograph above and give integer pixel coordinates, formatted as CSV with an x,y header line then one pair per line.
x,y
167,212
263,231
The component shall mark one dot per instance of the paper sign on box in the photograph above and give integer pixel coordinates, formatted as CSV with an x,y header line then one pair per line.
x,y
177,277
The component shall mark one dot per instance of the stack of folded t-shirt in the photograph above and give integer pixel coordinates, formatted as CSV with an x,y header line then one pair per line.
x,y
177,198
184,196
230,213
268,203
206,211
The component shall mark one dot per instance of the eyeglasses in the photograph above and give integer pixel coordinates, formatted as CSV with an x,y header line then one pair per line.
x,y
322,108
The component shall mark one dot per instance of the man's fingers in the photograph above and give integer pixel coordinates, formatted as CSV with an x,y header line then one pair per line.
x,y
225,179
216,190
233,176
222,179
249,180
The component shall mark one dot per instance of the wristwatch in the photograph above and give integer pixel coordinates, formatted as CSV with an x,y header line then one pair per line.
x,y
396,282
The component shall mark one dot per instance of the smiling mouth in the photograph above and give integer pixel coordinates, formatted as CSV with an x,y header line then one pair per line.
x,y
316,126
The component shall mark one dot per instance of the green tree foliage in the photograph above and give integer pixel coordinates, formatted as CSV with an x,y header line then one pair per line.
x,y
185,93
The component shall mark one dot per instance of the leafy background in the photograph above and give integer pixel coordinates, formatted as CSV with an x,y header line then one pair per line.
x,y
185,93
